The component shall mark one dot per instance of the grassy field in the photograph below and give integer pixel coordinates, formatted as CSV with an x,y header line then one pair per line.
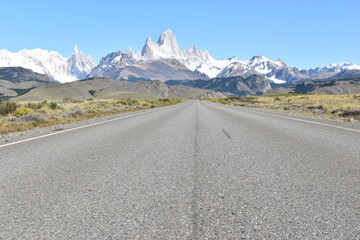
x,y
340,107
21,116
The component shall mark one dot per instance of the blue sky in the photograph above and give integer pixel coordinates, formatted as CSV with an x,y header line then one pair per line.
x,y
303,33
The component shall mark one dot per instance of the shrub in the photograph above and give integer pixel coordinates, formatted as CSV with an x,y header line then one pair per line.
x,y
7,107
36,106
73,114
66,100
19,112
90,99
30,117
53,105
128,102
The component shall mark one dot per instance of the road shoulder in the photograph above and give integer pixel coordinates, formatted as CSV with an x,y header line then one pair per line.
x,y
292,116
6,139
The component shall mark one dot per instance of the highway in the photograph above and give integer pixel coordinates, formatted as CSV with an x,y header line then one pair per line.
x,y
196,170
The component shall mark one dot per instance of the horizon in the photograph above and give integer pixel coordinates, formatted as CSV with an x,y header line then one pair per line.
x,y
308,37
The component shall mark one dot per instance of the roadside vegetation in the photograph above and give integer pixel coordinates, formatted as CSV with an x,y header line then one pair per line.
x,y
340,107
21,116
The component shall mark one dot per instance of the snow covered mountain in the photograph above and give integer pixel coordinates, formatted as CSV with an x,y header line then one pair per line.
x,y
167,47
162,60
51,63
336,67
256,65
119,65
206,66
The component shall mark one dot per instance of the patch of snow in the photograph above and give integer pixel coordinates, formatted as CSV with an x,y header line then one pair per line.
x,y
275,80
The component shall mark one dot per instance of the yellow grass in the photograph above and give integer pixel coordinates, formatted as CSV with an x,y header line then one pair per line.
x,y
318,105
30,115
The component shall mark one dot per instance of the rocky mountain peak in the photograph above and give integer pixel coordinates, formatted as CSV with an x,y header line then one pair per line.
x,y
168,39
76,49
166,47
148,40
80,65
259,58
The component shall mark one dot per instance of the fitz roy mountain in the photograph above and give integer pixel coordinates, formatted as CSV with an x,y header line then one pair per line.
x,y
164,60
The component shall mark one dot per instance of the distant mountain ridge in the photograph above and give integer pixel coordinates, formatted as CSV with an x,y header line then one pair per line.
x,y
19,74
24,84
102,88
252,85
15,81
162,60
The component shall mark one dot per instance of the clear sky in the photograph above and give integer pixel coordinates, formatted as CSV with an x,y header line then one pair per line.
x,y
304,33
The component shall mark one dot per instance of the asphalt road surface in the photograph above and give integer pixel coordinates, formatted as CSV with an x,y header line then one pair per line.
x,y
196,170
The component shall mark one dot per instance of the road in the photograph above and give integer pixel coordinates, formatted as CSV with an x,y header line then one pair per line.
x,y
196,170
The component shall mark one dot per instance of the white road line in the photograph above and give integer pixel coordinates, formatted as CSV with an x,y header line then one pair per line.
x,y
85,126
301,120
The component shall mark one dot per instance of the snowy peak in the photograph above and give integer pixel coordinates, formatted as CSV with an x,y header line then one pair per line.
x,y
168,40
80,65
199,61
51,63
259,58
112,62
149,50
336,67
76,50
165,48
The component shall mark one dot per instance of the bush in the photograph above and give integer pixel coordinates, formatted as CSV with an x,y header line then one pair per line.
x,y
53,105
7,107
19,112
128,102
36,106
90,99
30,117
72,114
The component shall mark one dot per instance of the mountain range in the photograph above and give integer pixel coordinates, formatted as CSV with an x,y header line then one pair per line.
x,y
164,60
19,83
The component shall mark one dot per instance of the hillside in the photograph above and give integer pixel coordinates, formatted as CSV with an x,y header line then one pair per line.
x,y
340,86
253,85
103,88
15,81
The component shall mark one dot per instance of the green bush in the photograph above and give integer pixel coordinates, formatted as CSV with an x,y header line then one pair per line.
x,y
53,105
7,107
36,106
128,102
19,112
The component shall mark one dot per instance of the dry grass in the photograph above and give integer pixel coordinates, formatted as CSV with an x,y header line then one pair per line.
x,y
340,107
30,115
